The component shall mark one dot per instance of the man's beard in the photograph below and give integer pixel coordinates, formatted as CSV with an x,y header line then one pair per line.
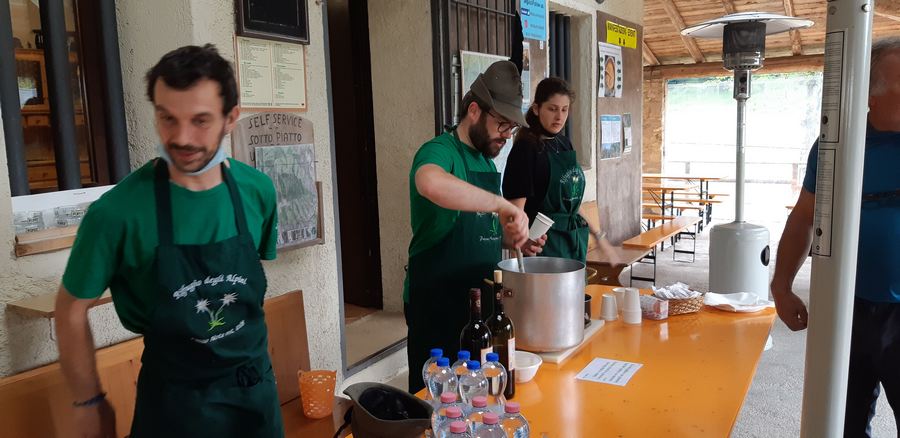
x,y
172,147
479,137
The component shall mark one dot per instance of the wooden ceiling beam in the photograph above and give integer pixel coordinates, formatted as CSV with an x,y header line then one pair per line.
x,y
785,64
649,57
689,43
888,16
796,44
729,7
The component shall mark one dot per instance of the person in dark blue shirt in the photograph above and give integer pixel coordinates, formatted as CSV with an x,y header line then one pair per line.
x,y
875,340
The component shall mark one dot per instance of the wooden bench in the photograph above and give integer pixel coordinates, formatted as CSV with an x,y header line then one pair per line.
x,y
649,240
608,273
38,403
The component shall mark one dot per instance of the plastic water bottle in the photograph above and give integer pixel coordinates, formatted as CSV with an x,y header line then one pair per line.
x,y
453,415
496,376
472,383
442,379
513,423
431,365
479,408
489,427
458,429
462,359
448,400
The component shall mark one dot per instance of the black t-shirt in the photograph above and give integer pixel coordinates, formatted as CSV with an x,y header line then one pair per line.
x,y
527,173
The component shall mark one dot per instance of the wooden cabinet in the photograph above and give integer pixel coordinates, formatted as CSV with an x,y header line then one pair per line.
x,y
31,75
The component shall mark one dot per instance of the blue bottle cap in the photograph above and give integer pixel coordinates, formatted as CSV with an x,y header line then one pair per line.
x,y
473,365
437,352
493,357
463,355
443,362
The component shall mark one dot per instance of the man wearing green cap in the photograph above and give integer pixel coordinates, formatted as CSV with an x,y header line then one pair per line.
x,y
459,219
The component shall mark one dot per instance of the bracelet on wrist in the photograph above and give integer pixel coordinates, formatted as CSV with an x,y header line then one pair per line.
x,y
91,401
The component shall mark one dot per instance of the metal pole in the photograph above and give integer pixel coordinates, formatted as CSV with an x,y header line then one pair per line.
x,y
116,128
59,86
10,108
741,94
848,42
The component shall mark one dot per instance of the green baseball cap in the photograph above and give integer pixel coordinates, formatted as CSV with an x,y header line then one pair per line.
x,y
500,88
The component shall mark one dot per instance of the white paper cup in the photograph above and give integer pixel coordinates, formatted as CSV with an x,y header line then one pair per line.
x,y
631,317
632,301
608,310
620,298
540,227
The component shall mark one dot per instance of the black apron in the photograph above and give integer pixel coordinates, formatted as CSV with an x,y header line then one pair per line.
x,y
568,237
205,368
440,278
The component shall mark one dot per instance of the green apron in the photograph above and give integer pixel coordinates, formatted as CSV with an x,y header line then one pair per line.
x,y
205,368
440,278
568,238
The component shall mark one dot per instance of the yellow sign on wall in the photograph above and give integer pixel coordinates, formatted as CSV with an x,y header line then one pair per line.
x,y
621,35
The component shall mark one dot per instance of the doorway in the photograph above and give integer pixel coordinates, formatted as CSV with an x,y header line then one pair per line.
x,y
367,329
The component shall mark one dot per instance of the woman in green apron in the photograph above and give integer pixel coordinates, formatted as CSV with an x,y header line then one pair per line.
x,y
543,175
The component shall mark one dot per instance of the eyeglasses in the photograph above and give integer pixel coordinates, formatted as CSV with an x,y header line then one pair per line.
x,y
503,125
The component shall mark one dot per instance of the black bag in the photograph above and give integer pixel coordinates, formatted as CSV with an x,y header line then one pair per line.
x,y
382,411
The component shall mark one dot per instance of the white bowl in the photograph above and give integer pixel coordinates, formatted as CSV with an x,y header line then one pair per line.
x,y
527,365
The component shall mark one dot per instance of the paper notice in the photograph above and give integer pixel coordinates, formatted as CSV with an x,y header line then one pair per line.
x,y
609,371
832,88
824,203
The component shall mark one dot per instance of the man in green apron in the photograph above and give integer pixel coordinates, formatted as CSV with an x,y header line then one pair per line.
x,y
178,243
459,219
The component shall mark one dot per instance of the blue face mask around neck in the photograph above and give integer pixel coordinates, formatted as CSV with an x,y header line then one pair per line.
x,y
216,160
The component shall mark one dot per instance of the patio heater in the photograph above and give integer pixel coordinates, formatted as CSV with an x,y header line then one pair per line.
x,y
739,251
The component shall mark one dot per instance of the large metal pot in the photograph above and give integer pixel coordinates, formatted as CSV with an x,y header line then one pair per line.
x,y
546,303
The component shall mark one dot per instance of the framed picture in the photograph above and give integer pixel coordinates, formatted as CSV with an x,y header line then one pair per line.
x,y
281,20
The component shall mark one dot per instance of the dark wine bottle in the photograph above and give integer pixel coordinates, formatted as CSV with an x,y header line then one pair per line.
x,y
503,336
475,336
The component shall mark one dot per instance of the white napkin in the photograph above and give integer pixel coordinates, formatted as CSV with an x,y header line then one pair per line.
x,y
743,302
676,291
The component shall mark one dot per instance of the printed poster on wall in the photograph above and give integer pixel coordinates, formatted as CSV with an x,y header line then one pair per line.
x,y
281,145
526,76
534,19
473,64
610,136
271,74
610,76
626,133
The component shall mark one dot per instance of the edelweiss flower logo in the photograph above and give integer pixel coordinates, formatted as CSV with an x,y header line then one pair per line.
x,y
215,318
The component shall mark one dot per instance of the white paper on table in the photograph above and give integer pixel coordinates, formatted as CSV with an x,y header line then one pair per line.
x,y
613,372
741,302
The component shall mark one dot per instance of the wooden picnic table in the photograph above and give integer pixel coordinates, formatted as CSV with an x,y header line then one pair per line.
x,y
663,190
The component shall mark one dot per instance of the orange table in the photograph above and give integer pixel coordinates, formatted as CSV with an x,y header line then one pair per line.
x,y
697,369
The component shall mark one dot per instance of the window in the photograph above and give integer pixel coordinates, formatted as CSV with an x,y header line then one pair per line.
x,y
41,137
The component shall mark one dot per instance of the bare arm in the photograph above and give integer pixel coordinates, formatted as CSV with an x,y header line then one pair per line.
x,y
452,193
518,202
793,247
79,366
792,251
76,345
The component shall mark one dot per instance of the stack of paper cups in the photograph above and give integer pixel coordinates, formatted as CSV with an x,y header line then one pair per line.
x,y
631,311
540,227
608,309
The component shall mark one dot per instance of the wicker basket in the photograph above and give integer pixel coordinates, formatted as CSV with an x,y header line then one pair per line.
x,y
317,392
685,305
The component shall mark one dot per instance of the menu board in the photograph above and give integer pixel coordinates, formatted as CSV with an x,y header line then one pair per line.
x,y
271,74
